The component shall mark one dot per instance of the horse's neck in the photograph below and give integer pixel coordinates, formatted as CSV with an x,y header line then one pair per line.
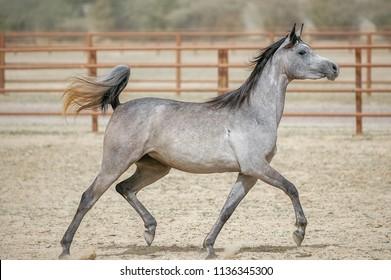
x,y
269,95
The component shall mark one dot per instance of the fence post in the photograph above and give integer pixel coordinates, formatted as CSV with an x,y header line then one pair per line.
x,y
178,40
358,91
222,71
92,72
2,62
369,61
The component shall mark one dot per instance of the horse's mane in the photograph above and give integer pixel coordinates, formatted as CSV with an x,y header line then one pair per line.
x,y
237,97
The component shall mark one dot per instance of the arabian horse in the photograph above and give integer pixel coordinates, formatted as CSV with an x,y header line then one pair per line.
x,y
234,132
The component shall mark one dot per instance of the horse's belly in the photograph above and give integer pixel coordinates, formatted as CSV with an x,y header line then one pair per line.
x,y
192,140
197,162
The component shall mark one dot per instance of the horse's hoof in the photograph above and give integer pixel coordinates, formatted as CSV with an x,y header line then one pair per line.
x,y
298,237
211,253
64,256
211,256
148,238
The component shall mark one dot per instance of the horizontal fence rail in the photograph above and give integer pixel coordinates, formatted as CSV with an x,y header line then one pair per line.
x,y
95,53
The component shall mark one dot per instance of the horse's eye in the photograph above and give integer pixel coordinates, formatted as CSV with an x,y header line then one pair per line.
x,y
302,52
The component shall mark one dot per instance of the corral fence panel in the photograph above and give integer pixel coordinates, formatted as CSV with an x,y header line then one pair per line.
x,y
186,62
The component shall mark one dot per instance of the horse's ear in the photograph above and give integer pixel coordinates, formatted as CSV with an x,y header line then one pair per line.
x,y
301,29
292,34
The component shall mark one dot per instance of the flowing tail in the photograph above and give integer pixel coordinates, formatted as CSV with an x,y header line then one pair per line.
x,y
96,93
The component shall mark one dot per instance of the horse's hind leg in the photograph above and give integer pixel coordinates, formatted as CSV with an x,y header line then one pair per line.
x,y
148,171
101,183
113,165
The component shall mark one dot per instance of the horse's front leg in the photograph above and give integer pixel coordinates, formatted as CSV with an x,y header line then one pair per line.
x,y
272,177
242,186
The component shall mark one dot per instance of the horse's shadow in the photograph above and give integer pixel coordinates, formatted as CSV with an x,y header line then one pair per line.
x,y
153,252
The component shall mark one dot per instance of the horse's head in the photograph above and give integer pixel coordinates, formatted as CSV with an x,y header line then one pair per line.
x,y
300,61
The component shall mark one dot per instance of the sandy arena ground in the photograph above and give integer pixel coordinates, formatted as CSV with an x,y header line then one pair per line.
x,y
344,182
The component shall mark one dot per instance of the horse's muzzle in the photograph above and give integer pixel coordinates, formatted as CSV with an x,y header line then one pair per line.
x,y
333,71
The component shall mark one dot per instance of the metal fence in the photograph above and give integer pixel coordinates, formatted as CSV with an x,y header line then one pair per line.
x,y
92,49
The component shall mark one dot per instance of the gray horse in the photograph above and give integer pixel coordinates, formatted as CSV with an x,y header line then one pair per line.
x,y
234,132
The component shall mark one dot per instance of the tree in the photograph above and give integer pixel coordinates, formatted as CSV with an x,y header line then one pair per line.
x,y
99,15
279,14
335,13
36,15
379,13
105,14
206,14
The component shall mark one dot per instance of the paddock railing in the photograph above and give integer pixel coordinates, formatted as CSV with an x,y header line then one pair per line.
x,y
39,63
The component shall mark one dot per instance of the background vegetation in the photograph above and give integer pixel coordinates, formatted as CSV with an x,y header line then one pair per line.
x,y
110,15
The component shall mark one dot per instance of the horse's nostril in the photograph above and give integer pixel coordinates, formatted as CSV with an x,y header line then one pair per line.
x,y
334,66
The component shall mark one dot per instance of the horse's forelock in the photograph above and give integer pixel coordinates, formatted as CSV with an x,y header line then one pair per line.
x,y
293,41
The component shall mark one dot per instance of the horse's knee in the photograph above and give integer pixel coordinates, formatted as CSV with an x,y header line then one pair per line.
x,y
291,190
